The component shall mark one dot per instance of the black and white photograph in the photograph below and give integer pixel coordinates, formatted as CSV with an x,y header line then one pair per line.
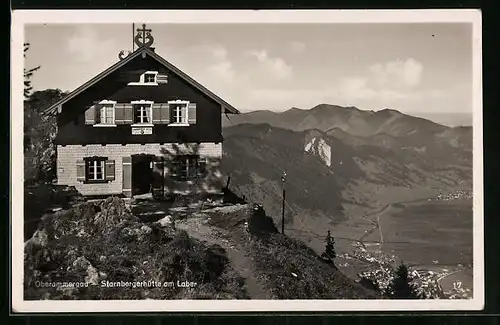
x,y
316,160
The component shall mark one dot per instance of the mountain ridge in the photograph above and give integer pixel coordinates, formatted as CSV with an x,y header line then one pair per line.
x,y
348,118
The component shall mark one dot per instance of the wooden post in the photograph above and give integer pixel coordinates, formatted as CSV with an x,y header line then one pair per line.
x,y
283,179
133,33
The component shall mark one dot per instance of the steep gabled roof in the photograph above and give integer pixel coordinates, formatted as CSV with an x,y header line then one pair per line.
x,y
143,51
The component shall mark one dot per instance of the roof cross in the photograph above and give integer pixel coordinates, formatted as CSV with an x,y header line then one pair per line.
x,y
144,37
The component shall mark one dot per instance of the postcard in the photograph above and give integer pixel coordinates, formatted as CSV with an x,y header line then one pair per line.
x,y
253,161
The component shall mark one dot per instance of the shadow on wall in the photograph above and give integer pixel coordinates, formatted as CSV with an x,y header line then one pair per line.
x,y
184,170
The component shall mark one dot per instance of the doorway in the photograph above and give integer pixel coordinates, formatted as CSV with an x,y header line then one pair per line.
x,y
142,174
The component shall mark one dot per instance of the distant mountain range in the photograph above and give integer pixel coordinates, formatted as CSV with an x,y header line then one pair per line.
x,y
341,155
352,120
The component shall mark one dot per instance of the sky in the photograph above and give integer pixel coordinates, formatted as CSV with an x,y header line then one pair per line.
x,y
414,68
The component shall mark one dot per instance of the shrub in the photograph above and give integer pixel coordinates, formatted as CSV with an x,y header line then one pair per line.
x,y
401,286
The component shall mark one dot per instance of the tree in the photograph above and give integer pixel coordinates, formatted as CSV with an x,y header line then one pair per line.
x,y
329,253
39,133
401,286
28,73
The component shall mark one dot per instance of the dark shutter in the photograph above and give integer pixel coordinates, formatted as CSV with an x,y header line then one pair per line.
x,y
119,113
90,115
157,113
161,78
174,169
128,109
110,170
165,113
201,167
80,170
192,113
127,176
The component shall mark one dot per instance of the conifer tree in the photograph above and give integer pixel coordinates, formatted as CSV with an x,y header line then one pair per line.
x,y
329,253
401,286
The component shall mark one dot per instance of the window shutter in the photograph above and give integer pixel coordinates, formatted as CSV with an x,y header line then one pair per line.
x,y
127,176
165,113
202,167
174,169
90,115
161,79
119,113
157,113
110,170
80,170
128,113
192,113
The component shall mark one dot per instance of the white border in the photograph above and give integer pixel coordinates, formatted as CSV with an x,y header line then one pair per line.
x,y
19,18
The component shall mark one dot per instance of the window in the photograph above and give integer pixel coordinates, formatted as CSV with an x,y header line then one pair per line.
x,y
190,167
142,113
179,112
106,114
147,78
150,78
95,170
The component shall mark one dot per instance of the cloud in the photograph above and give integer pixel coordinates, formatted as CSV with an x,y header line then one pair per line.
x,y
406,73
86,45
298,46
276,66
389,84
223,70
219,52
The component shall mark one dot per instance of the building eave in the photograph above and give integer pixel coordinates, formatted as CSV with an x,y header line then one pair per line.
x,y
57,107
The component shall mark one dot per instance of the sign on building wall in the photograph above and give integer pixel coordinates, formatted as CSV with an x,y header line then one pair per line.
x,y
142,130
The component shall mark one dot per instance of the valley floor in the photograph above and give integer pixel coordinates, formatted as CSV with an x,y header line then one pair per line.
x,y
431,233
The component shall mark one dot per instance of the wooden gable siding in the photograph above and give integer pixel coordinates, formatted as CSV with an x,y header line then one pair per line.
x,y
71,122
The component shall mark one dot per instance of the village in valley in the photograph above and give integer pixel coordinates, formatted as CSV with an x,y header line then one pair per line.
x,y
127,181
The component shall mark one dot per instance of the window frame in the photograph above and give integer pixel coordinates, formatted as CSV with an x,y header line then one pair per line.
x,y
150,74
95,162
173,116
106,104
185,163
142,102
142,80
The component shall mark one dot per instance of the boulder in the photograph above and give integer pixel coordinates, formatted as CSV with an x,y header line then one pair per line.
x,y
167,221
39,238
82,264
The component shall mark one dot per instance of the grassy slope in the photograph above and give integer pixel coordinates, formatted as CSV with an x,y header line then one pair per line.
x,y
93,243
96,242
286,267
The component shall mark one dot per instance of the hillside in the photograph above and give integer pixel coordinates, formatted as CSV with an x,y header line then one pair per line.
x,y
327,170
223,252
352,172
